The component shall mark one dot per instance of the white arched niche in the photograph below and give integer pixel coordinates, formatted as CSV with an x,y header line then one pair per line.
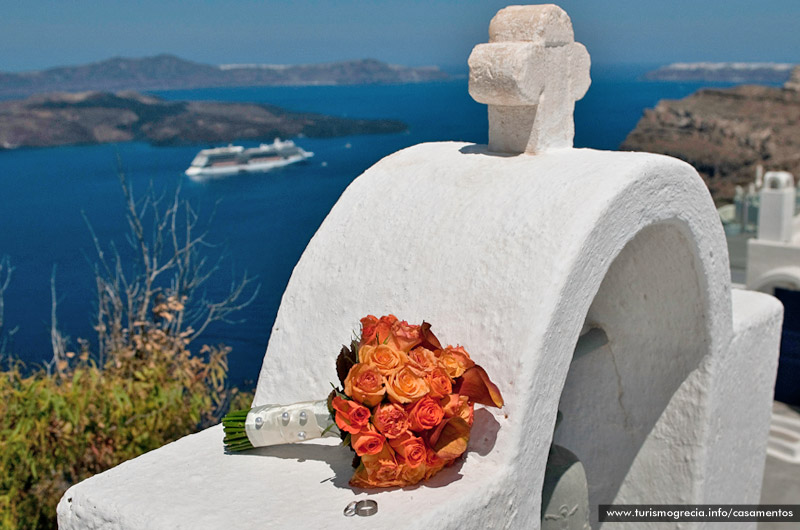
x,y
632,413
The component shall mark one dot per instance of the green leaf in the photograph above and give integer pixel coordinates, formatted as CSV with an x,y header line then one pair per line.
x,y
328,428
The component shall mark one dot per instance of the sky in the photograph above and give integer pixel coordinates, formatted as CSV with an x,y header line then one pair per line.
x,y
36,34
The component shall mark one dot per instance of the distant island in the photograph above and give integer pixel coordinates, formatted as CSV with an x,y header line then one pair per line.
x,y
726,133
101,117
166,72
723,72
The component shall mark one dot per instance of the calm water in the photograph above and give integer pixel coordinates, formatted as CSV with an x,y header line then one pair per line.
x,y
263,221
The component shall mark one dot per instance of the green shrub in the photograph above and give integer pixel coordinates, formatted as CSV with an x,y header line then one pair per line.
x,y
57,429
81,414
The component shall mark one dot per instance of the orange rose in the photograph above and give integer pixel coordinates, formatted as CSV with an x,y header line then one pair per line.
x,y
422,359
376,331
384,358
433,463
367,442
406,384
377,471
440,383
456,405
405,336
454,360
390,419
410,448
425,414
368,325
365,384
350,416
400,335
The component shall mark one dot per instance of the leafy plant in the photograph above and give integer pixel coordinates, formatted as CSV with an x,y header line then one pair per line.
x,y
147,383
60,428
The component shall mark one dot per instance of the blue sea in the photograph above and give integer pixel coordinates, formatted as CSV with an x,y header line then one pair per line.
x,y
261,223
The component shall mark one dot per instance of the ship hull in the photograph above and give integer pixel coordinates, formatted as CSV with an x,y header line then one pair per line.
x,y
206,173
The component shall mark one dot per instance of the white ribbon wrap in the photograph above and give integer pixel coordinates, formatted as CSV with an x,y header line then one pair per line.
x,y
286,424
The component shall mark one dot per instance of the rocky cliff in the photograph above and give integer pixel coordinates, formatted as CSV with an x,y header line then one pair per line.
x,y
100,117
726,133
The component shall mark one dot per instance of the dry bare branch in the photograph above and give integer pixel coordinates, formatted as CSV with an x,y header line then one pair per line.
x,y
6,270
57,340
163,286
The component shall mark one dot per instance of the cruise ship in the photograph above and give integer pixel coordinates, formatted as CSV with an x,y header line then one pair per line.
x,y
234,159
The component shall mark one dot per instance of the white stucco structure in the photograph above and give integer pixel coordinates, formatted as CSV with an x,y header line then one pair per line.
x,y
509,256
773,258
776,210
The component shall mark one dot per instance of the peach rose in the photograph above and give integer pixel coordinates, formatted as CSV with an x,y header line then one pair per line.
x,y
390,419
384,472
410,448
380,470
383,357
376,331
425,414
365,384
404,336
367,442
412,475
406,384
440,383
360,478
455,361
456,405
350,416
422,359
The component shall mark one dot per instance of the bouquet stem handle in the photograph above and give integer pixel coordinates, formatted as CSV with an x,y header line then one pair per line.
x,y
277,424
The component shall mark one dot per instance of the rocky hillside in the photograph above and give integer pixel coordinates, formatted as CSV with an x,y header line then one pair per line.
x,y
100,117
164,72
726,133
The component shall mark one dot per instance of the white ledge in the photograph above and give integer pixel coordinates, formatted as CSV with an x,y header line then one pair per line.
x,y
194,484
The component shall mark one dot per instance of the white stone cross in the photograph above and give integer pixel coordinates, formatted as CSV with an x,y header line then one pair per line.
x,y
530,73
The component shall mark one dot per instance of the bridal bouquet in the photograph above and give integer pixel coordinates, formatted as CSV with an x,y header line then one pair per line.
x,y
405,406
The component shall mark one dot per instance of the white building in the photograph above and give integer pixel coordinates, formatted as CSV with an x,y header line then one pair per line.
x,y
773,256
